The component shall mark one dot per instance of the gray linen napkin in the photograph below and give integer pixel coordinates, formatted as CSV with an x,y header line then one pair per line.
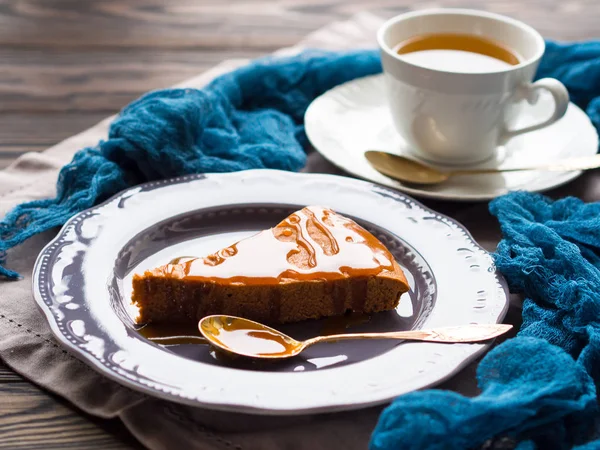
x,y
28,347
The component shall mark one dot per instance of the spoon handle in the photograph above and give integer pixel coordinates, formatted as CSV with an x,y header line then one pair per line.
x,y
465,333
582,163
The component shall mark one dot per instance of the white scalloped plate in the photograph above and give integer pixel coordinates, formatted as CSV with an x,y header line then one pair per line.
x,y
82,284
353,117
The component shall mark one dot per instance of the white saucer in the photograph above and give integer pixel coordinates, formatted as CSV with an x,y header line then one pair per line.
x,y
353,117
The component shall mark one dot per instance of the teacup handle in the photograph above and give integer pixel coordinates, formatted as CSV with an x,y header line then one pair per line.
x,y
530,92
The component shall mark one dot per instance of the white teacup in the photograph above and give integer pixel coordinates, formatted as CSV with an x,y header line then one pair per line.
x,y
456,117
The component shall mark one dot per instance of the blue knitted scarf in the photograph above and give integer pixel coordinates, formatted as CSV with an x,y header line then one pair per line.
x,y
538,389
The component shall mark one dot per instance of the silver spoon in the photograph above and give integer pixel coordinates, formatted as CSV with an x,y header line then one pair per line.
x,y
410,171
252,339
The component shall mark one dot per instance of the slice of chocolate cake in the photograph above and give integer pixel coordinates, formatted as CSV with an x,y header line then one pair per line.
x,y
315,263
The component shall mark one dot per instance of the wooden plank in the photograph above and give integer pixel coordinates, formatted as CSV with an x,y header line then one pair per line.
x,y
22,132
156,23
223,24
41,80
32,419
34,132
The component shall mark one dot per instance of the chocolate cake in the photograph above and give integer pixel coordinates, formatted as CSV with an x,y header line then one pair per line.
x,y
315,263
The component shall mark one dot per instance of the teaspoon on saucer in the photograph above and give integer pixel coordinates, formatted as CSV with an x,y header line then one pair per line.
x,y
411,171
252,339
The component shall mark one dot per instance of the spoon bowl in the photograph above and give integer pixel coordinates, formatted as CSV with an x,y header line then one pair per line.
x,y
243,337
404,169
248,338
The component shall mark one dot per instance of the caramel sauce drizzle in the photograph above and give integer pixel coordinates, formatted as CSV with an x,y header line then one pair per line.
x,y
294,222
172,334
253,338
313,243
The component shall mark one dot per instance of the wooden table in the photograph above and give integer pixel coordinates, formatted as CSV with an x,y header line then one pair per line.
x,y
66,64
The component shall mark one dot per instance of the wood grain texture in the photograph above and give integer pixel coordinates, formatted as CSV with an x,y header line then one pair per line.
x,y
32,419
66,64
225,24
51,81
7,375
34,131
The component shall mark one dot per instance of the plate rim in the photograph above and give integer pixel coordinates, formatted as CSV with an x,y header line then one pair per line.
x,y
567,178
93,362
